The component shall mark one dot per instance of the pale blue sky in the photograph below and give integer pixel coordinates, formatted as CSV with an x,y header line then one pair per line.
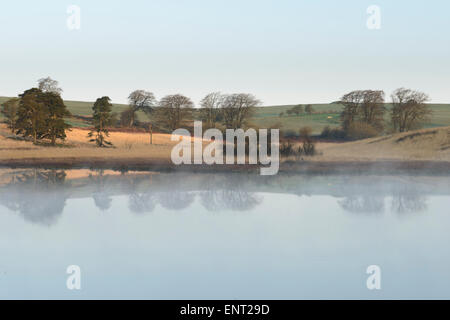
x,y
282,51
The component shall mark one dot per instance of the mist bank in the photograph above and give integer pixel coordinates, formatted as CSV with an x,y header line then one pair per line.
x,y
358,167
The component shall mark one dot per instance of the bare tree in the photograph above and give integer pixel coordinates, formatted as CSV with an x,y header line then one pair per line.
x,y
309,109
140,100
366,106
49,85
174,109
409,110
211,108
238,108
372,108
351,102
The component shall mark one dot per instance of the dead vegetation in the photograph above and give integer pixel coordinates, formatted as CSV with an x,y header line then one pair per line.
x,y
426,145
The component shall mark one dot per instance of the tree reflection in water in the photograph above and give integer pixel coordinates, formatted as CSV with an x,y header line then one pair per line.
x,y
407,199
363,204
228,193
101,196
140,202
38,195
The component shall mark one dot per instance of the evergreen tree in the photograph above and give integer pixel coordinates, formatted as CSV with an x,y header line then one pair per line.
x,y
41,116
56,111
102,118
31,115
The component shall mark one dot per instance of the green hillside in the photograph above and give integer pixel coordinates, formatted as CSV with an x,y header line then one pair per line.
x,y
269,116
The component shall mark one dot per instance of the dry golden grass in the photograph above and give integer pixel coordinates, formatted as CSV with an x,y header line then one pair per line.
x,y
427,144
126,145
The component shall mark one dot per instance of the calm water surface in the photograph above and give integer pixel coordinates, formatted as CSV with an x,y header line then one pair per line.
x,y
216,236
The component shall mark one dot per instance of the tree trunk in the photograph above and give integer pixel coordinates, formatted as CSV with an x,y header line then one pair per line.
x,y
132,119
150,130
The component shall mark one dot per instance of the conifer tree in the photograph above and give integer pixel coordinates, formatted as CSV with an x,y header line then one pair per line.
x,y
102,118
9,111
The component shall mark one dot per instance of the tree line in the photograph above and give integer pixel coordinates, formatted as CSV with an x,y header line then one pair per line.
x,y
364,113
40,113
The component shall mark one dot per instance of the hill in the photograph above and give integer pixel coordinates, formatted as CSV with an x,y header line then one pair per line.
x,y
269,116
424,144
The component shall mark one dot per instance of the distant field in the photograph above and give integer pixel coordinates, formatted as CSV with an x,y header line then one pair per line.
x,y
269,116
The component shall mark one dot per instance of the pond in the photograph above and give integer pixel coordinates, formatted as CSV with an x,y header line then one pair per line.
x,y
150,235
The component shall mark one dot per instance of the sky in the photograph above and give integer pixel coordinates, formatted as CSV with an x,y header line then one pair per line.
x,y
283,52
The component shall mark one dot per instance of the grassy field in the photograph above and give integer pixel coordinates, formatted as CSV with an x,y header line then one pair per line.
x,y
269,116
328,115
426,144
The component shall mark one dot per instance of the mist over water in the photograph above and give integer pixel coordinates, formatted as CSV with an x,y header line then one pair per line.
x,y
231,236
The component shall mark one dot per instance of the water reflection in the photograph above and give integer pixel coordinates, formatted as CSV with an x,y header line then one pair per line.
x,y
407,199
366,204
227,193
102,198
39,196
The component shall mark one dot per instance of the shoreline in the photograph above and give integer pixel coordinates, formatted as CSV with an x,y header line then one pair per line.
x,y
303,166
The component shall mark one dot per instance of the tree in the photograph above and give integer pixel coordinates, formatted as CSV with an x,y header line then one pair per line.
x,y
211,108
366,106
372,109
409,110
49,85
297,109
9,111
55,126
140,100
174,109
41,116
351,102
238,108
126,117
309,109
102,118
31,115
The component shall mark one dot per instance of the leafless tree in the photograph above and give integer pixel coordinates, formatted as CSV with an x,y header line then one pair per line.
x,y
140,100
409,109
238,108
174,109
372,109
211,108
351,102
365,106
49,85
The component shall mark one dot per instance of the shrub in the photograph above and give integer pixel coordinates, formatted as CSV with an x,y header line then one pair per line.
x,y
308,148
289,134
361,130
332,133
287,149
